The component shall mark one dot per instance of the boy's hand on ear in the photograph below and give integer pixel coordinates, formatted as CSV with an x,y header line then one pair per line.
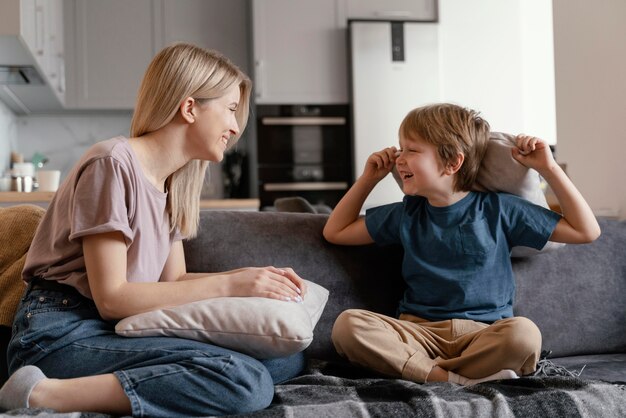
x,y
533,152
380,163
396,176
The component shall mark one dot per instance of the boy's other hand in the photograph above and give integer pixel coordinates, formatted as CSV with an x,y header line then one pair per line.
x,y
380,163
533,152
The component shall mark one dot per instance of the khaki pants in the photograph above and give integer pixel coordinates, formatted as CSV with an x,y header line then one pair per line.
x,y
409,347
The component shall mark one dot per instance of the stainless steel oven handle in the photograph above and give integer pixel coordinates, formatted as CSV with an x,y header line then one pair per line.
x,y
304,186
304,121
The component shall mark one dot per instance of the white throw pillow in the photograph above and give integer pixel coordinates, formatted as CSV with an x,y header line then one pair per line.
x,y
500,172
261,327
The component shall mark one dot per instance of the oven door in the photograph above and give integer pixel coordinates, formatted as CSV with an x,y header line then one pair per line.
x,y
303,153
302,140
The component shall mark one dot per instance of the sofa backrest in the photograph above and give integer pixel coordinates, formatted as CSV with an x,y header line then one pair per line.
x,y
575,294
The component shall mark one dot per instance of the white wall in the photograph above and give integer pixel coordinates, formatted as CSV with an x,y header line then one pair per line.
x,y
497,57
590,65
538,85
583,87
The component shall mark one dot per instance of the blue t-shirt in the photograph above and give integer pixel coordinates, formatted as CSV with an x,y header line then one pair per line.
x,y
457,258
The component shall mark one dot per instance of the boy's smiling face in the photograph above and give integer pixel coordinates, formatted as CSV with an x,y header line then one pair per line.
x,y
421,169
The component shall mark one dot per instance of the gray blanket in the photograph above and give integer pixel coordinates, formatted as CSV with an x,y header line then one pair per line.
x,y
327,392
334,390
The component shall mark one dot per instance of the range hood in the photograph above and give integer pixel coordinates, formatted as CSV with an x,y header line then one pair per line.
x,y
19,74
23,87
23,90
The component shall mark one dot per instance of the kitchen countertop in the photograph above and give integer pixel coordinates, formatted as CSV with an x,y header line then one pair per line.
x,y
217,204
8,198
20,197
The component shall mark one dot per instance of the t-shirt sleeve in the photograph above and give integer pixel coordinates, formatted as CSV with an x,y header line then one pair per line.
x,y
526,223
383,223
102,200
177,235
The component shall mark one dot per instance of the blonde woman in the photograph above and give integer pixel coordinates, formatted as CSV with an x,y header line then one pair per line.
x,y
110,246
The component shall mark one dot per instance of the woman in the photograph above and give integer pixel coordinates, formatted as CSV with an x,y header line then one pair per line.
x,y
110,247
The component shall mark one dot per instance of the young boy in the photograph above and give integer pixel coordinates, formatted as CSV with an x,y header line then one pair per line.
x,y
455,320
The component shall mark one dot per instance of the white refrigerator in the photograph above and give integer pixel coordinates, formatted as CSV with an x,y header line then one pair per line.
x,y
394,68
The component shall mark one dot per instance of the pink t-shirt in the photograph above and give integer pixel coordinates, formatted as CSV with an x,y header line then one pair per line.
x,y
106,191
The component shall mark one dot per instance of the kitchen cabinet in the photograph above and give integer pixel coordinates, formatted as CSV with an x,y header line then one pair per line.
x,y
212,24
299,52
42,31
113,48
391,9
33,38
54,47
28,21
113,44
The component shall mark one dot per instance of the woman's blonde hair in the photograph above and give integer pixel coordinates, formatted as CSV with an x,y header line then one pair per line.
x,y
177,72
453,130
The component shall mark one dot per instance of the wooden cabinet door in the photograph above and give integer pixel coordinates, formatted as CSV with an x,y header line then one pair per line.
x,y
114,44
299,52
213,24
115,41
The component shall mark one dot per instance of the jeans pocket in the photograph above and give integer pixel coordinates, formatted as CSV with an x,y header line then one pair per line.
x,y
46,317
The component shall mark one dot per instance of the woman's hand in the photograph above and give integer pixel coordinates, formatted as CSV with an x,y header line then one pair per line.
x,y
533,153
380,163
269,282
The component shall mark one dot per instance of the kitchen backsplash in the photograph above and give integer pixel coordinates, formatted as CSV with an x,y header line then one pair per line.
x,y
64,138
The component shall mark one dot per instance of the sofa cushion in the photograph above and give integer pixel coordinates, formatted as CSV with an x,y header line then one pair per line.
x,y
261,327
18,223
609,367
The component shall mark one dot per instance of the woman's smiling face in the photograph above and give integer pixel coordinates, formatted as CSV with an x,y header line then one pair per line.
x,y
214,125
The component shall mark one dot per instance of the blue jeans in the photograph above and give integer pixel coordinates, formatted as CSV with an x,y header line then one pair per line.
x,y
61,332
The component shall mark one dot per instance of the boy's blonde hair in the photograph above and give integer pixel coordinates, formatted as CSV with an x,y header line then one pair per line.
x,y
453,130
177,72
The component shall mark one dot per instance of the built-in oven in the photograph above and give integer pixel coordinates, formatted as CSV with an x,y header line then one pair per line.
x,y
303,150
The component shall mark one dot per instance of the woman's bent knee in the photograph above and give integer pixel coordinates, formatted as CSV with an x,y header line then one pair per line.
x,y
252,387
236,384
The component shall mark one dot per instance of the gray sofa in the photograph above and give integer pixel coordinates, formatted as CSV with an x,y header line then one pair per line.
x,y
575,295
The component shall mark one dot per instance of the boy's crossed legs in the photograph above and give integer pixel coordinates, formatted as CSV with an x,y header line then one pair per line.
x,y
412,348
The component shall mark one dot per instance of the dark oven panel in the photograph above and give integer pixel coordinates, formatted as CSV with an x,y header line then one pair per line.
x,y
303,150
